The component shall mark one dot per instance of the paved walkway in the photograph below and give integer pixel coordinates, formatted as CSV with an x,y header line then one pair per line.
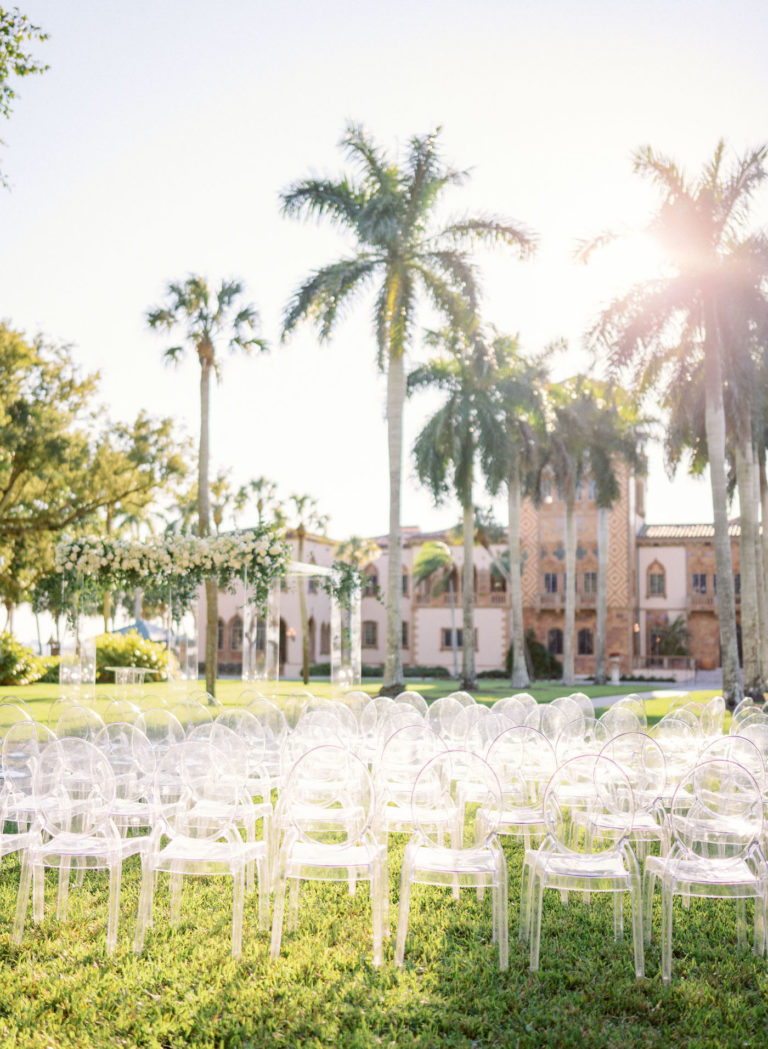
x,y
704,679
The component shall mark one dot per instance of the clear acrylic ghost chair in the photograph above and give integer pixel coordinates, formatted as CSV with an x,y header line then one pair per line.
x,y
249,730
680,745
22,744
571,708
547,719
576,855
413,699
716,822
388,723
74,791
441,715
643,761
272,720
757,733
472,861
749,716
132,759
524,762
394,775
329,805
741,750
619,720
584,702
191,713
200,805
120,710
162,728
54,710
357,701
464,698
636,704
79,722
713,718
511,709
584,735
11,714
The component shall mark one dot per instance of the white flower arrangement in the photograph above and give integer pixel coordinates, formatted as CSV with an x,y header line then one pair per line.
x,y
179,562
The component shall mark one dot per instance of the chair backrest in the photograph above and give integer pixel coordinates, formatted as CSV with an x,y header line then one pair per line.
x,y
619,720
464,698
636,704
713,717
643,760
583,735
440,785
120,710
510,708
741,750
162,728
570,707
194,792
191,713
131,757
357,702
548,719
79,722
584,794
328,796
402,758
248,728
442,713
11,714
73,788
413,699
22,744
524,761
717,811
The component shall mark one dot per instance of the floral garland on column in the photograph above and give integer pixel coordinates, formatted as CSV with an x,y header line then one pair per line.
x,y
180,563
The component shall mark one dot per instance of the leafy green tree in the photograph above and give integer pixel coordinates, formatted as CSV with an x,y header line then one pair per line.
x,y
446,451
662,330
207,317
434,561
389,209
16,31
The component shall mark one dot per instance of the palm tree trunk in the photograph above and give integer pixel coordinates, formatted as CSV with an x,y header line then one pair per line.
x,y
454,639
750,628
714,421
763,559
603,540
468,675
393,667
204,527
570,590
520,678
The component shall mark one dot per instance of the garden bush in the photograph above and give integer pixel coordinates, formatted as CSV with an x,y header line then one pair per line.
x,y
129,650
18,665
546,667
51,674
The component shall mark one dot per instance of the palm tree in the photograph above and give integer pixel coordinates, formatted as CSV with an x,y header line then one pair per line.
x,y
434,561
446,450
672,324
306,513
389,210
358,551
519,385
205,317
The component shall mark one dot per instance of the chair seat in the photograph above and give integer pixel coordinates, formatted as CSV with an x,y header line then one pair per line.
x,y
205,855
702,877
574,866
463,862
305,855
95,850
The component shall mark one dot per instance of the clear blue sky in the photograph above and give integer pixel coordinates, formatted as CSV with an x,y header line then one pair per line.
x,y
158,142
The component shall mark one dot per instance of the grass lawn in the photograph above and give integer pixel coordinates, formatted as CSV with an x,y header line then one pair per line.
x,y
59,989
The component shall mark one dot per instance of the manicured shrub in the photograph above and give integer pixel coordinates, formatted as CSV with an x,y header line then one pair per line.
x,y
128,650
18,665
51,675
546,667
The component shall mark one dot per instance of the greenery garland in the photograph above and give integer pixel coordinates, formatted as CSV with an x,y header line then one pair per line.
x,y
179,563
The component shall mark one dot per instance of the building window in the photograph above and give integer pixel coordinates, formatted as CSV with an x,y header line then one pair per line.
x,y
236,635
371,585
447,637
325,639
592,490
550,582
555,641
656,584
261,635
405,584
736,583
586,642
370,634
220,636
699,583
404,633
590,582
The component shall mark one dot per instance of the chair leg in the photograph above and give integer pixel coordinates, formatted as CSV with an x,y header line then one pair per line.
x,y
61,900
403,911
238,894
537,903
115,875
277,918
666,931
22,898
144,915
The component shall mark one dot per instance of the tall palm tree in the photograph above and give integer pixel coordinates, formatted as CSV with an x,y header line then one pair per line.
x,y
675,322
434,561
308,518
446,451
206,317
389,208
519,384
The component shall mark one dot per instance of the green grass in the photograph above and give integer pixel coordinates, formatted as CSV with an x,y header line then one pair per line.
x,y
60,989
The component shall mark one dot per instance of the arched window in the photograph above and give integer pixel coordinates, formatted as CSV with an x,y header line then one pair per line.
x,y
371,584
220,637
325,639
498,582
656,585
555,641
405,584
370,633
586,642
236,635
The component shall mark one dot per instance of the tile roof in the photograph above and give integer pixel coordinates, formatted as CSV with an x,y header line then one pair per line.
x,y
686,531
